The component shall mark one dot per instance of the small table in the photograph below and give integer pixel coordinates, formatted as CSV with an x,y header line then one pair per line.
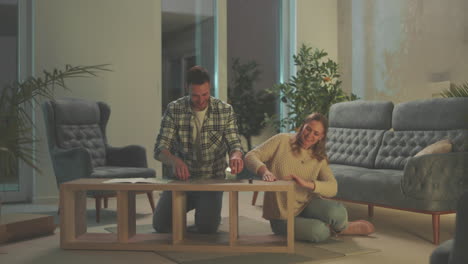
x,y
73,233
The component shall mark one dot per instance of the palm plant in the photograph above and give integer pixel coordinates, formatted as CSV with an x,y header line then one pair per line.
x,y
16,124
456,90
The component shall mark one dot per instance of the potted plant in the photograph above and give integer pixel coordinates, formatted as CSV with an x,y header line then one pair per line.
x,y
249,105
314,88
16,124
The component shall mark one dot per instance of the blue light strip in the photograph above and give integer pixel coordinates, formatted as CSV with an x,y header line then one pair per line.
x,y
287,47
216,51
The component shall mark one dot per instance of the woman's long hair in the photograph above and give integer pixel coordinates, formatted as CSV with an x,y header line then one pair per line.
x,y
318,149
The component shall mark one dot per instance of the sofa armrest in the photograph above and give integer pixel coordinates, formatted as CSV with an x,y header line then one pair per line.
x,y
128,156
71,164
437,177
460,243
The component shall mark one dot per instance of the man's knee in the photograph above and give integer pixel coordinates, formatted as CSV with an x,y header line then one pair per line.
x,y
208,212
161,225
162,217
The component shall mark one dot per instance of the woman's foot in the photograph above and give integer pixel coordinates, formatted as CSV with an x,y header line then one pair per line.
x,y
359,227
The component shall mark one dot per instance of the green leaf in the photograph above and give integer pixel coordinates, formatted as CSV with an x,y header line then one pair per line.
x,y
15,122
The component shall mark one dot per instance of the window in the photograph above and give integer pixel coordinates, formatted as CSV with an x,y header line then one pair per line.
x,y
16,63
188,39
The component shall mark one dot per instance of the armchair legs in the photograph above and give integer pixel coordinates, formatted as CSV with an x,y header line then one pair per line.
x,y
97,200
151,200
105,198
254,198
370,210
436,228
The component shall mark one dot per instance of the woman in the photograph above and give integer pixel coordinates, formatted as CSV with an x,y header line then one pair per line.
x,y
302,157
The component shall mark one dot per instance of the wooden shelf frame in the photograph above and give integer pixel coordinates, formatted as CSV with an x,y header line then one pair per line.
x,y
73,228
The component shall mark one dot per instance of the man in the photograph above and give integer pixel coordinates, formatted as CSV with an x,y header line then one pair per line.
x,y
197,131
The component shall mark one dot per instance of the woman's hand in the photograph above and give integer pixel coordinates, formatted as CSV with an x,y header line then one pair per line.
x,y
268,176
302,182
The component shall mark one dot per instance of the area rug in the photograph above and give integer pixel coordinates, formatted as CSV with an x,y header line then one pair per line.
x,y
304,252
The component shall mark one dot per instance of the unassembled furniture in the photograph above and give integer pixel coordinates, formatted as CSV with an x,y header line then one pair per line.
x,y
76,133
73,233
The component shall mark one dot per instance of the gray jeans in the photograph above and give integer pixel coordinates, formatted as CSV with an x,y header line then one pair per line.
x,y
313,224
207,207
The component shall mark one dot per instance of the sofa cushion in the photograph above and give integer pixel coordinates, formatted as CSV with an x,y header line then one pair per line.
x,y
398,146
380,187
356,147
443,146
362,114
434,114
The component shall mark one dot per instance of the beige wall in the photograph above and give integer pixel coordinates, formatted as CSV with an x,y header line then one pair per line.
x,y
119,32
316,25
402,50
397,50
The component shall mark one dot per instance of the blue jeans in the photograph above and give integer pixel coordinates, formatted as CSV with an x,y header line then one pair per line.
x,y
313,224
207,207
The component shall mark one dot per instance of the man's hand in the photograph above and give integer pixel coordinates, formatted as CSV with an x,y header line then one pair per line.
x,y
268,176
180,169
236,163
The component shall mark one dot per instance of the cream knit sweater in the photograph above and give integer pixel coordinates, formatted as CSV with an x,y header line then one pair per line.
x,y
283,158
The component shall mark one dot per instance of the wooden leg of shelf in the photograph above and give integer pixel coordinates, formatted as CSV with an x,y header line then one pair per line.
x,y
179,216
72,215
290,235
126,219
233,217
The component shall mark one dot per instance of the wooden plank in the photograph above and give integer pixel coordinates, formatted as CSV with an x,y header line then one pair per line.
x,y
198,185
80,212
20,226
233,217
162,242
291,199
126,219
72,214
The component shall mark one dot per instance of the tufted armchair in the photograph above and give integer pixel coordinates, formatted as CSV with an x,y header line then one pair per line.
x,y
76,132
454,251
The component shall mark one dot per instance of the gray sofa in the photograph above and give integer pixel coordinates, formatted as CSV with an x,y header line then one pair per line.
x,y
371,145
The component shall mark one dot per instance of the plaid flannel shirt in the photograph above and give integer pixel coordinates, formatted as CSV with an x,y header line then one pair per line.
x,y
219,136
